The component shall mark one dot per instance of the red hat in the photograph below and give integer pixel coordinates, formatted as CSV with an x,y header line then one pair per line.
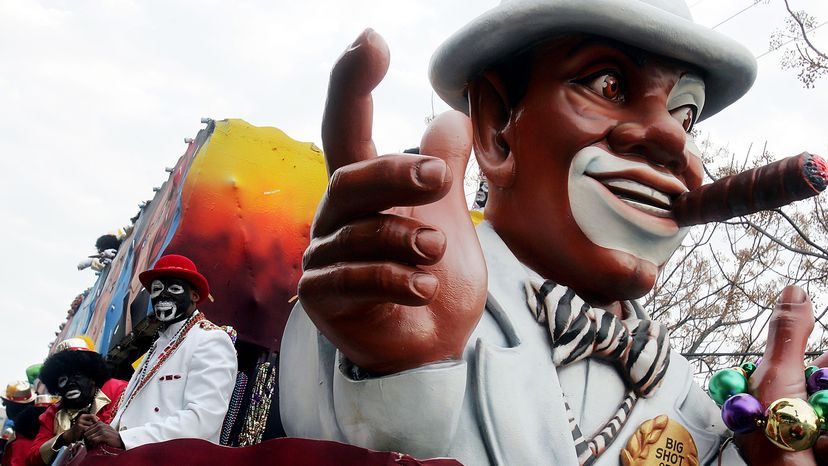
x,y
173,265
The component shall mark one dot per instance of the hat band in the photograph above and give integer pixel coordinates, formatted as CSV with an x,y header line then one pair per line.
x,y
20,398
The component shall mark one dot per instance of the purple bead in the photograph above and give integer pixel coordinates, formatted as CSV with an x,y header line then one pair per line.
x,y
741,412
817,381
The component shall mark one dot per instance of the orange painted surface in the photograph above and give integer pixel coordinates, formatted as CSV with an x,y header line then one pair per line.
x,y
246,207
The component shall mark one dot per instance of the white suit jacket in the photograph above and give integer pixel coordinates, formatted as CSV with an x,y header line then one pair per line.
x,y
502,404
188,396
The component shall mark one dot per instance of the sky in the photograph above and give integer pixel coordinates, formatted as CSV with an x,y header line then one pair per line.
x,y
97,96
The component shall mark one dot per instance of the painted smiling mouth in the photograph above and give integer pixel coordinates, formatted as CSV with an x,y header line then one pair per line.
x,y
164,306
72,394
639,196
636,184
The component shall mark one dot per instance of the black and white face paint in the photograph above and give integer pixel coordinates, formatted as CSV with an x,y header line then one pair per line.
x,y
171,298
77,390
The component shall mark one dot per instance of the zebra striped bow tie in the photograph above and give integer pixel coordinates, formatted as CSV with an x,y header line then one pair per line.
x,y
639,347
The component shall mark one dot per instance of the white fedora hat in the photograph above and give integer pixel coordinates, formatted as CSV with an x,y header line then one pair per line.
x,y
663,27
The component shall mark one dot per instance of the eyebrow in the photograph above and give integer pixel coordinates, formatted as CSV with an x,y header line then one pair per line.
x,y
634,54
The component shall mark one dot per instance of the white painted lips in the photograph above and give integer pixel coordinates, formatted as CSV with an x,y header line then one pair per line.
x,y
164,311
73,394
637,184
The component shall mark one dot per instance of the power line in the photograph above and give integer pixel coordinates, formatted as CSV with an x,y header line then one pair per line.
x,y
791,40
736,14
744,353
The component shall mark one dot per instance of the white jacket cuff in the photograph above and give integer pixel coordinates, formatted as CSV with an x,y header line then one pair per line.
x,y
386,413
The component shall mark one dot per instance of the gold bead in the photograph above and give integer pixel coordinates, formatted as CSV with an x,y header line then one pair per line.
x,y
741,371
792,424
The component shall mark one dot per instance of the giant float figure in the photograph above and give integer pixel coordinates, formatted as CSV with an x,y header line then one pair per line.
x,y
521,342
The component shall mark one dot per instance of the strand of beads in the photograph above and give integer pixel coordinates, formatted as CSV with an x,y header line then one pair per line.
x,y
791,424
256,418
233,410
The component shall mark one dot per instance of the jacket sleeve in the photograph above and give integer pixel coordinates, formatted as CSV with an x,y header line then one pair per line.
x,y
210,379
415,411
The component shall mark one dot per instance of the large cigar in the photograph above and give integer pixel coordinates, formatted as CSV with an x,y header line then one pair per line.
x,y
774,185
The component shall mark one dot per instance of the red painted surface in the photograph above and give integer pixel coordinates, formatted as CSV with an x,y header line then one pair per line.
x,y
285,451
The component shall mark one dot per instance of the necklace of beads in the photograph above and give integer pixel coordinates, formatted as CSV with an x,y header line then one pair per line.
x,y
146,374
791,424
256,418
233,411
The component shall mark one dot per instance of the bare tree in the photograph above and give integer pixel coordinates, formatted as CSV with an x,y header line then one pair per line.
x,y
804,57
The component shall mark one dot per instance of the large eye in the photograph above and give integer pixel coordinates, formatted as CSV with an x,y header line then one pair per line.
x,y
62,381
685,115
175,289
607,84
156,288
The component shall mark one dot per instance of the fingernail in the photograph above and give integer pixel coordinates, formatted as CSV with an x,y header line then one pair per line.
x,y
792,295
429,242
365,36
431,173
425,284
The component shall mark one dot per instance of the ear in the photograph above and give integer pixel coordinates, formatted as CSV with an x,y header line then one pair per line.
x,y
194,296
491,114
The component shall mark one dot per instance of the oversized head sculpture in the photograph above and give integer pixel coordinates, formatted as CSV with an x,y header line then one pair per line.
x,y
581,112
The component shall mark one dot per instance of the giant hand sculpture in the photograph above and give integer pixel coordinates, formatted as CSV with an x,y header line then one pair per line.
x,y
394,275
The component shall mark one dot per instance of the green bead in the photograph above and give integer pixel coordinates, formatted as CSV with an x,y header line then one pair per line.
x,y
810,370
819,401
749,367
726,383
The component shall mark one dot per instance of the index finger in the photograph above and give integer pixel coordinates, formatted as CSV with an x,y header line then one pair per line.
x,y
349,108
780,374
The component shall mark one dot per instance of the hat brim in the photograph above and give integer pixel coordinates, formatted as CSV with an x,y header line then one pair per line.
x,y
193,278
513,26
22,402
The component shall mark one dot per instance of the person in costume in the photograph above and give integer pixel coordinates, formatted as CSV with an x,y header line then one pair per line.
x,y
18,396
521,342
26,427
79,375
17,399
182,387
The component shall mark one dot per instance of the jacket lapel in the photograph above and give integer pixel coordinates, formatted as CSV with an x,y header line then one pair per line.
x,y
517,394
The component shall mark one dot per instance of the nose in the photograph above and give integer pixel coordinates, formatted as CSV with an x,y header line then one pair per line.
x,y
652,133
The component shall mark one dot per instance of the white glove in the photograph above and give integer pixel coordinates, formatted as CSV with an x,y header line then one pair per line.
x,y
85,264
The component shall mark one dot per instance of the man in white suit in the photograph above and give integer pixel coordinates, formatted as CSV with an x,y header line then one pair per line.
x,y
183,386
526,347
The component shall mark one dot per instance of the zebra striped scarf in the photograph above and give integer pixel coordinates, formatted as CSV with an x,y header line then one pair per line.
x,y
640,347
589,449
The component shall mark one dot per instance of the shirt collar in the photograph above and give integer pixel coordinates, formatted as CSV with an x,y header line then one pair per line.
x,y
172,329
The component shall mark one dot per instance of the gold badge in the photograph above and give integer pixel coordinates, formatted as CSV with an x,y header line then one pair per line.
x,y
660,442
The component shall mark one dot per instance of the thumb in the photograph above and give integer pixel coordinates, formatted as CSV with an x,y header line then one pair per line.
x,y
449,137
781,372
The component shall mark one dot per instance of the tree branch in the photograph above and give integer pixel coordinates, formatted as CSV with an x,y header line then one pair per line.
x,y
804,32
